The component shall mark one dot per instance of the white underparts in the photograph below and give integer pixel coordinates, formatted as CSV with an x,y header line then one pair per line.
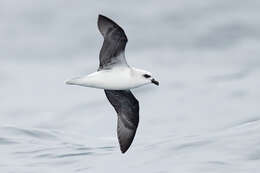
x,y
117,78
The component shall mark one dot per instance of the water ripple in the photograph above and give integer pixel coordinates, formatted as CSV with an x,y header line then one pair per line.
x,y
5,141
74,154
35,133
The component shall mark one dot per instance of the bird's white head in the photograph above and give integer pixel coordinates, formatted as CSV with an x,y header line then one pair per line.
x,y
144,77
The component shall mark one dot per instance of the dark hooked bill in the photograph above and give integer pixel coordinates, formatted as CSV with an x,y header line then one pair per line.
x,y
155,82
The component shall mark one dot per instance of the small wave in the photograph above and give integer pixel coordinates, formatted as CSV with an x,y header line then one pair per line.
x,y
192,144
35,133
5,141
74,154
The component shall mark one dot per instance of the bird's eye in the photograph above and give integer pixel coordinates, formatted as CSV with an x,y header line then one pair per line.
x,y
147,75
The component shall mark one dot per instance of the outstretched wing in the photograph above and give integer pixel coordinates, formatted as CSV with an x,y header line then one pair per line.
x,y
112,51
127,108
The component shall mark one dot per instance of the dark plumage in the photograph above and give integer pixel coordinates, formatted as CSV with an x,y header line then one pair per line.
x,y
114,43
127,108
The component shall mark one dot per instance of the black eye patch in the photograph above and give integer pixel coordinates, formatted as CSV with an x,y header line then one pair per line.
x,y
147,75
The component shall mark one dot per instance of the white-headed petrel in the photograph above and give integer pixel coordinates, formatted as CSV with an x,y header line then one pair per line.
x,y
116,77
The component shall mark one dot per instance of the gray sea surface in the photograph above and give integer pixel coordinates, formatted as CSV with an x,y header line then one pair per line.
x,y
204,117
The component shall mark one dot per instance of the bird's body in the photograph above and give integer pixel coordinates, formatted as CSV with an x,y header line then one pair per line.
x,y
116,77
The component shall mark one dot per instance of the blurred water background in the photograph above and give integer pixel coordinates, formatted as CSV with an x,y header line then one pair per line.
x,y
204,117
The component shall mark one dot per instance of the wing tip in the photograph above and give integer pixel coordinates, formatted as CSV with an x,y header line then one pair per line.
x,y
101,16
123,149
126,143
104,21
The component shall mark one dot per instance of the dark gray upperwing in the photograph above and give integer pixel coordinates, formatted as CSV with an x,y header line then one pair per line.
x,y
127,108
112,51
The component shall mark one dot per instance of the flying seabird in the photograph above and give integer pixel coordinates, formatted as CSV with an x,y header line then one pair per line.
x,y
116,77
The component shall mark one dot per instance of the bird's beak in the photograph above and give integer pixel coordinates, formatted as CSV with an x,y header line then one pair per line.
x,y
155,82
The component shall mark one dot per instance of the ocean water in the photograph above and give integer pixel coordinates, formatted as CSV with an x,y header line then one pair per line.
x,y
204,117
